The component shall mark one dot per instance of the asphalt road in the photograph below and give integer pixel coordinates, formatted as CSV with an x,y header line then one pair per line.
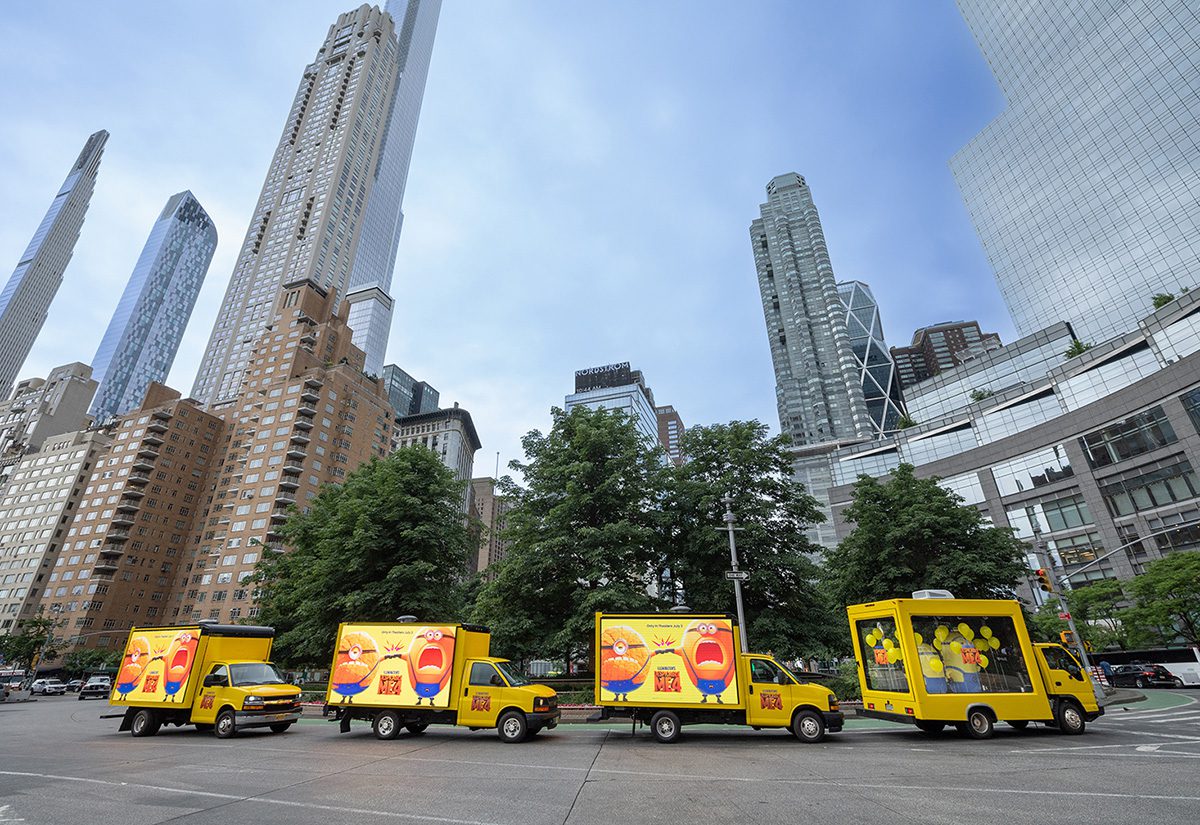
x,y
61,763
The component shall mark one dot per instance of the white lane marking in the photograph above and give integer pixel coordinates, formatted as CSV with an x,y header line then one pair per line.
x,y
256,799
1187,700
7,814
1066,748
1149,748
1167,735
1183,717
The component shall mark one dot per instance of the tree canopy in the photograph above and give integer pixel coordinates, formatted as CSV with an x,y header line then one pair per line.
x,y
1166,600
911,534
33,642
391,540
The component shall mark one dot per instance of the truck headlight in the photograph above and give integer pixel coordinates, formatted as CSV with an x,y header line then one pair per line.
x,y
833,703
252,703
541,703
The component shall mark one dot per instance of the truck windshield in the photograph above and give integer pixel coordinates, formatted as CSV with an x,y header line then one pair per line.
x,y
254,673
515,679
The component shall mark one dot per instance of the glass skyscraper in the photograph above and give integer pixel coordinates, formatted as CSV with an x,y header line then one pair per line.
x,y
34,283
143,336
310,213
1083,190
371,276
407,395
880,383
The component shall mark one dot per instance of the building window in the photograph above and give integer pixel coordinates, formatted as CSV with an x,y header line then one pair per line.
x,y
1167,485
1035,469
1134,436
1050,516
1191,403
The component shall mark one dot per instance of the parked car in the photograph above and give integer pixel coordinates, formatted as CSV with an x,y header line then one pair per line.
x,y
48,687
74,685
1142,675
97,687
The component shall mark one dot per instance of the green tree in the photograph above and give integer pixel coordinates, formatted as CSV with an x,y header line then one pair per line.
x,y
1097,609
786,611
389,541
33,642
911,534
1077,348
905,421
1167,600
583,535
1162,299
78,662
1044,624
979,395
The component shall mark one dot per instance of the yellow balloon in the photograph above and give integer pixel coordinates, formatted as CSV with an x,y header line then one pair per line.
x,y
888,644
897,653
870,640
985,632
937,644
936,665
994,643
966,631
891,656
941,633
983,660
920,639
956,647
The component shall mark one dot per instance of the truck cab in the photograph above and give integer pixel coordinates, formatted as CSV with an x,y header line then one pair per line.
x,y
240,694
1067,683
497,695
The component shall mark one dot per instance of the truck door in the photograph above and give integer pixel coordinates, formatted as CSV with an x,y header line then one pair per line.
x,y
769,695
482,695
207,702
1063,674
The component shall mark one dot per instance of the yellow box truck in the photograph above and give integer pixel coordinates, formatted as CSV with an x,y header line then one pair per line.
x,y
214,676
409,675
668,670
934,661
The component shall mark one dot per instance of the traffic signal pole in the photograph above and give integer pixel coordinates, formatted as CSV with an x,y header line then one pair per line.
x,y
1046,582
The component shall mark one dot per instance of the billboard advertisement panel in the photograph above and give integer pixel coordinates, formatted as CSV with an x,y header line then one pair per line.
x,y
611,375
157,665
398,665
669,660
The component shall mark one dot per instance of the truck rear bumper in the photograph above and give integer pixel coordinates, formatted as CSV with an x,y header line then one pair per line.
x,y
256,719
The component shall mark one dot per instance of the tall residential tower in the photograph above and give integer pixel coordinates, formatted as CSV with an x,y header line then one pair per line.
x,y
310,214
1083,190
143,336
34,283
371,276
818,381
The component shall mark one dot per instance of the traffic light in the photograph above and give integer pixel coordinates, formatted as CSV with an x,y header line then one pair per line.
x,y
1068,638
1044,581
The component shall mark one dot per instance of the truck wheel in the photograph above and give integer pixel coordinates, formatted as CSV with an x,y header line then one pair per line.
x,y
1017,724
665,726
226,725
808,727
416,728
512,726
979,724
386,725
931,728
1070,718
280,727
144,723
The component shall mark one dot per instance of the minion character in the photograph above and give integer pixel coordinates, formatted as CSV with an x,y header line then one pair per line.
x,y
624,658
357,658
932,668
133,667
962,660
708,656
430,657
180,655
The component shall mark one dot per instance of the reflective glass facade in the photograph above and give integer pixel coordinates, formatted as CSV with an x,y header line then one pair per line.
x,y
416,24
407,395
1130,438
35,281
143,336
1032,470
880,382
1083,189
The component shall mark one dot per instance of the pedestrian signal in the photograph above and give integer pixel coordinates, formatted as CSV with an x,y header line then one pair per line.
x,y
1044,581
1068,638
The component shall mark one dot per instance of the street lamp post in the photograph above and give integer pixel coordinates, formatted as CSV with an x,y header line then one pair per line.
x,y
733,562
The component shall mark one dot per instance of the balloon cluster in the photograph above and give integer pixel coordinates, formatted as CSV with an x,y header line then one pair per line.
x,y
985,641
891,651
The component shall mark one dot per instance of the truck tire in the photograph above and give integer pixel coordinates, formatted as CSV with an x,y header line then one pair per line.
x,y
665,726
931,728
1069,717
280,727
979,724
416,728
512,726
386,725
226,724
808,727
144,723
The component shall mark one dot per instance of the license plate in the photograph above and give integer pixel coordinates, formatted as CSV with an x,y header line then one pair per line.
x,y
278,717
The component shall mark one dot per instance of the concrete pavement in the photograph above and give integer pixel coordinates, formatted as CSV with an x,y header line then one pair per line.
x,y
61,763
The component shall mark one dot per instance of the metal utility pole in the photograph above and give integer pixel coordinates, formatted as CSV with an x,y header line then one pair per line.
x,y
1047,561
737,576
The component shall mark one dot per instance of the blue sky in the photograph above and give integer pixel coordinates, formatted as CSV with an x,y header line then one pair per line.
x,y
581,189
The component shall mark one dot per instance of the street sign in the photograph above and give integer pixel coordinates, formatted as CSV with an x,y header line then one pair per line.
x,y
739,575
1064,616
